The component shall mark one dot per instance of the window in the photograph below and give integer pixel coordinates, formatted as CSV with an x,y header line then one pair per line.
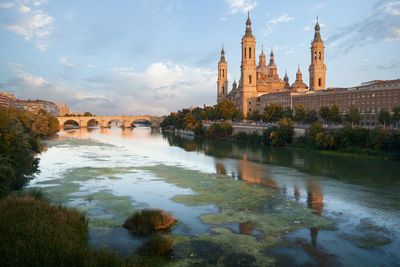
x,y
249,52
319,82
249,78
319,55
223,90
315,55
244,52
223,73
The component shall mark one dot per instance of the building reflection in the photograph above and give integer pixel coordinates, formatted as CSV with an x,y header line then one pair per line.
x,y
296,193
220,168
246,228
315,201
252,173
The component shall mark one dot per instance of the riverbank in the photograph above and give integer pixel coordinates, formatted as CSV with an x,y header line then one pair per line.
x,y
347,141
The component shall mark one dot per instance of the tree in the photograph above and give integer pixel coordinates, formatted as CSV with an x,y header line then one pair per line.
x,y
87,113
396,115
324,113
315,129
273,112
189,122
383,117
353,116
227,110
311,116
300,114
283,134
334,114
288,113
254,116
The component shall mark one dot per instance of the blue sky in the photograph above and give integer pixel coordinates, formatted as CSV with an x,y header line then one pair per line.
x,y
157,56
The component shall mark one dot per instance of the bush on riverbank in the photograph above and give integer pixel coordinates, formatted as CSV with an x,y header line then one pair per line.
x,y
34,232
223,129
149,220
20,140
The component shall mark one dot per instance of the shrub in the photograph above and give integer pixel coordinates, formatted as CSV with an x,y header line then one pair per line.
x,y
149,220
36,233
283,134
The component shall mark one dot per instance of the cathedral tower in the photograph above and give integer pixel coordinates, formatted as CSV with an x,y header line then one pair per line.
x,y
248,71
317,67
222,83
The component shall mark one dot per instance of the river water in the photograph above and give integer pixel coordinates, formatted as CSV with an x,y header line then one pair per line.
x,y
110,173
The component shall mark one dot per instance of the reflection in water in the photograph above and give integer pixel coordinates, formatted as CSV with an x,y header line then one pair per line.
x,y
360,188
251,172
220,168
296,193
314,201
246,228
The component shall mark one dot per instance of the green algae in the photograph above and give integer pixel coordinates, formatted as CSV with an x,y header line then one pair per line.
x,y
240,202
223,248
67,190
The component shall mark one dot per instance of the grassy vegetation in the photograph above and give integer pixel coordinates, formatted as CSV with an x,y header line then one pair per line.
x,y
149,220
34,232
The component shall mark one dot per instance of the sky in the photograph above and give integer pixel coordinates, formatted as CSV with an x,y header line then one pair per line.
x,y
136,57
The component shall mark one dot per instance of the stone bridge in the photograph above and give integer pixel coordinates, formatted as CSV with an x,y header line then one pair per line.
x,y
103,121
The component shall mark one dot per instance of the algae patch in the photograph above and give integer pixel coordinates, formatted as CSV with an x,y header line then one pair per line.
x,y
241,202
223,248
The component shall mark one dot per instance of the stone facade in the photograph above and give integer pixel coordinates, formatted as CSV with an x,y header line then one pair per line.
x,y
35,106
369,97
256,81
63,108
7,100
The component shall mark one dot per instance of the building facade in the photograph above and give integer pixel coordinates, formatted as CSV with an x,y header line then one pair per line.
x,y
7,100
63,109
35,106
263,79
260,85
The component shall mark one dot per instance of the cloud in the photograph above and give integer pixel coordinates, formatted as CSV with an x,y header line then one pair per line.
x,y
26,20
284,18
243,6
394,64
159,89
64,62
381,23
307,28
318,7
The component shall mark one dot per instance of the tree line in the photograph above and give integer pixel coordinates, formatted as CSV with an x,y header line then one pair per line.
x,y
20,140
349,138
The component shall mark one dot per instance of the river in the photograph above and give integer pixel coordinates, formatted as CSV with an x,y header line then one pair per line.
x,y
264,205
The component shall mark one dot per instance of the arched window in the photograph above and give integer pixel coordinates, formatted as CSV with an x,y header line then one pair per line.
x,y
249,78
244,52
319,55
319,82
249,52
315,55
223,90
223,73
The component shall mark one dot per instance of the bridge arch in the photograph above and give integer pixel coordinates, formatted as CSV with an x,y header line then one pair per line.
x,y
92,122
119,122
71,123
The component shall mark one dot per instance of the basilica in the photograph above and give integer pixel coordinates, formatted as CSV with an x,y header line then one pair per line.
x,y
258,82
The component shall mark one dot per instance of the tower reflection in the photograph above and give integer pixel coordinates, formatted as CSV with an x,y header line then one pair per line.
x,y
315,201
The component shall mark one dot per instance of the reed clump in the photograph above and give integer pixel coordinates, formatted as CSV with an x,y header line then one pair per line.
x,y
149,220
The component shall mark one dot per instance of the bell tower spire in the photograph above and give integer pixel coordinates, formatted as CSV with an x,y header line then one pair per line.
x,y
248,71
317,67
222,82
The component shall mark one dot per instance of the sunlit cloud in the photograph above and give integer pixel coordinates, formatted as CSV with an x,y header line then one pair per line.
x,y
284,18
243,6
